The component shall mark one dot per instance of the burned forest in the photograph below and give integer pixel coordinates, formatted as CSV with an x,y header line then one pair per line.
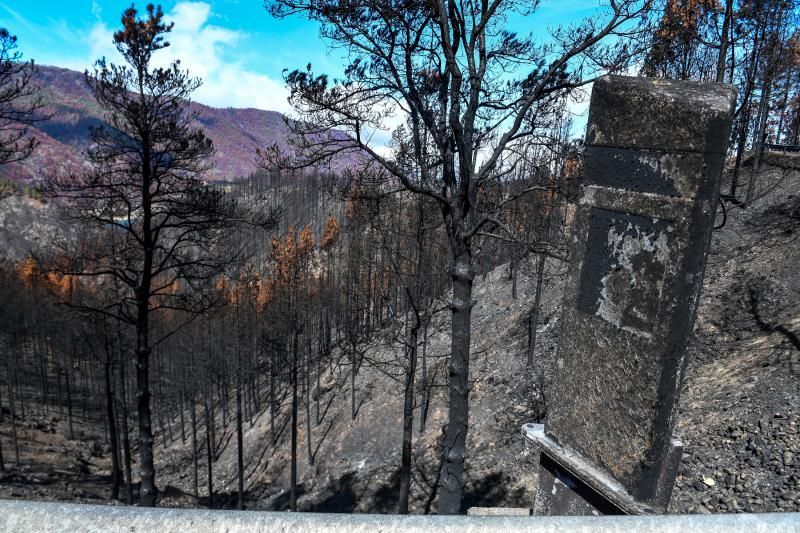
x,y
402,257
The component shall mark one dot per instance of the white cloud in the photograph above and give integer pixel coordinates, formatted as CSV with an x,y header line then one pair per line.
x,y
206,51
96,10
191,15
234,86
101,43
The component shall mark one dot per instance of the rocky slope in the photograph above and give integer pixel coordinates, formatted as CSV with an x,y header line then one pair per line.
x,y
740,409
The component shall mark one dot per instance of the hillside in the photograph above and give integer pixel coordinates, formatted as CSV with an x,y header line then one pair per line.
x,y
738,418
72,110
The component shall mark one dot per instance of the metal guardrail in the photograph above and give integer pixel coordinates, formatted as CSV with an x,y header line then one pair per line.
x,y
23,516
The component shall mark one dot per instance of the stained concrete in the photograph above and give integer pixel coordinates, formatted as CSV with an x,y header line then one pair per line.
x,y
654,157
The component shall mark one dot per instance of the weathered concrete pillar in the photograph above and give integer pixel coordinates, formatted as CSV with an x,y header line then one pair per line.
x,y
654,156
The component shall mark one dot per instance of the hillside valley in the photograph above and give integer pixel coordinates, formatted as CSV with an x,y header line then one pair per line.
x,y
739,417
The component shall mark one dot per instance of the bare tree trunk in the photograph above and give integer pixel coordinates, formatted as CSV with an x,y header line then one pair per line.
x,y
723,43
758,145
784,101
195,489
319,368
308,402
112,426
20,393
533,320
11,405
38,346
222,392
166,415
2,419
159,404
210,454
763,116
59,391
67,373
211,422
293,481
408,418
353,382
740,144
147,488
239,433
514,266
454,442
426,396
180,410
126,443
272,406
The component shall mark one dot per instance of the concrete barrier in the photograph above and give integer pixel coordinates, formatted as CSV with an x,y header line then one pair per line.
x,y
23,516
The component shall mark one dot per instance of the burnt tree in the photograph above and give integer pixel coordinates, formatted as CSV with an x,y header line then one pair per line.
x,y
169,231
445,66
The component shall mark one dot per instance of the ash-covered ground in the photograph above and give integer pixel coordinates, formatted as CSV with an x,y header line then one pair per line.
x,y
739,414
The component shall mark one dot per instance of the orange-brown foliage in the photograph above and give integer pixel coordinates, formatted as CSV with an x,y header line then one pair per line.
x,y
331,233
293,258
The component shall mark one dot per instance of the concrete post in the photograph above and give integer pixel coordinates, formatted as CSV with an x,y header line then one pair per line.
x,y
655,151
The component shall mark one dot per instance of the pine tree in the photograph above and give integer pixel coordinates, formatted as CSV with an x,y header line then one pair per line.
x,y
19,102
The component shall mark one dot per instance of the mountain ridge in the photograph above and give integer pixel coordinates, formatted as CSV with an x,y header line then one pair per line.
x,y
71,110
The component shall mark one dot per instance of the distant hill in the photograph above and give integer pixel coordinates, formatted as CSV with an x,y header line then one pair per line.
x,y
65,136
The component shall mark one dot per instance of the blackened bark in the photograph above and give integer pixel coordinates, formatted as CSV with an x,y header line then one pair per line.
x,y
59,392
147,489
20,393
37,346
408,418
211,422
783,108
195,488
166,415
763,111
210,453
159,408
126,443
2,419
514,273
353,382
426,397
740,144
319,371
239,436
758,146
112,425
182,407
293,481
307,380
222,392
454,442
723,43
272,405
12,406
67,373
534,316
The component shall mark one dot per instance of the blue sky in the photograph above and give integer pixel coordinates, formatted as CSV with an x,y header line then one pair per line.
x,y
234,45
